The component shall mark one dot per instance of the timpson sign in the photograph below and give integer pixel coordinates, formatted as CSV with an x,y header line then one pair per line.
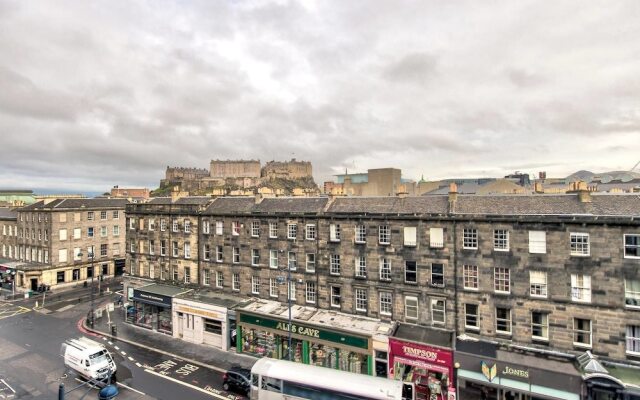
x,y
421,352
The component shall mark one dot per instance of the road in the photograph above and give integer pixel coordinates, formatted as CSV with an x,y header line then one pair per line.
x,y
32,368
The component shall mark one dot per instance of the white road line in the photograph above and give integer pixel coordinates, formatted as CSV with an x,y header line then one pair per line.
x,y
130,358
7,385
104,338
130,388
110,343
115,347
139,365
123,353
217,396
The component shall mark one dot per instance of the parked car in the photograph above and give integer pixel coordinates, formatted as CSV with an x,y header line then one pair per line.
x,y
237,379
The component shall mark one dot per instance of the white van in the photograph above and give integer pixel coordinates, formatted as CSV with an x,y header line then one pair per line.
x,y
88,358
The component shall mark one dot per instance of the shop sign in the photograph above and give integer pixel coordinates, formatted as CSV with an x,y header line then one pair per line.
x,y
151,297
507,371
307,331
199,312
416,351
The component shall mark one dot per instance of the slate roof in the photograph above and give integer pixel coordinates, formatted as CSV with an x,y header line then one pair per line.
x,y
390,205
231,205
194,200
159,200
8,213
76,203
293,205
541,204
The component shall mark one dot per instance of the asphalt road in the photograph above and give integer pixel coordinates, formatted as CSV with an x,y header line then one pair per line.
x,y
32,368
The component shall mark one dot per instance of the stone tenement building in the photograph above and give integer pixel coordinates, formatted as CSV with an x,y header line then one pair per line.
x,y
527,281
55,237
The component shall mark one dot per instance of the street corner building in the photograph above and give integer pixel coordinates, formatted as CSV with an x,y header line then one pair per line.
x,y
56,243
464,296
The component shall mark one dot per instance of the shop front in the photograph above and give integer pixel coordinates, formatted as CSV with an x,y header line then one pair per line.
x,y
489,372
203,317
152,305
311,342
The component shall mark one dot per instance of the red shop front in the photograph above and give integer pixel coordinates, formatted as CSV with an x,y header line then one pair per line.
x,y
429,368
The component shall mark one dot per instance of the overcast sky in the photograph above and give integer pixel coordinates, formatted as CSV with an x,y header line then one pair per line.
x,y
96,94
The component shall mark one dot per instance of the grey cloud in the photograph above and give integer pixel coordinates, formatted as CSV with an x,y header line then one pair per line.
x,y
415,68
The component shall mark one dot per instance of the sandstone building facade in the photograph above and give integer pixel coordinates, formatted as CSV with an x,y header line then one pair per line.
x,y
544,275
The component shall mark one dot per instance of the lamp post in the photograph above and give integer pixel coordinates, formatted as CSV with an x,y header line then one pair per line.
x,y
93,273
13,284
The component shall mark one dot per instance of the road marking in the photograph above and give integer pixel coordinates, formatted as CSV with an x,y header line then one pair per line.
x,y
65,308
217,396
139,365
110,343
130,388
123,353
130,358
7,385
115,347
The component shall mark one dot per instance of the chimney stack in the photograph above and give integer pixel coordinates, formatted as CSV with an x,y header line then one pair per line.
x,y
537,187
453,197
584,196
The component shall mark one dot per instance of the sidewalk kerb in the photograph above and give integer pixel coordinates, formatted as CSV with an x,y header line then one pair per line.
x,y
133,343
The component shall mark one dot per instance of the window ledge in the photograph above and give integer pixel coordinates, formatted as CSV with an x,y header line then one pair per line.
x,y
581,345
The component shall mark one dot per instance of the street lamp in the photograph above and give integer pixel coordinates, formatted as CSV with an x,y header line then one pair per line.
x,y
13,283
93,272
288,279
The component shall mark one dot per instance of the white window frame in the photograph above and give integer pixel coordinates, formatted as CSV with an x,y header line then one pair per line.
x,y
499,281
235,259
187,226
538,284
433,282
360,234
174,225
470,238
384,234
152,224
385,269
163,224
292,260
311,262
537,242
334,264
310,232
206,252
635,247
333,296
273,287
273,230
411,311
310,292
255,229
361,266
470,276
581,288
579,244
219,253
410,236
360,299
475,327
219,228
292,231
235,228
543,325
405,271
632,341
386,303
501,240
77,233
334,232
632,296
255,285
62,235
508,319
436,310
436,238
235,282
273,259
206,227
206,277
187,250
255,257
577,331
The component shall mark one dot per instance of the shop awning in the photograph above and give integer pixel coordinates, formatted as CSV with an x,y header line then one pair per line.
x,y
158,295
421,334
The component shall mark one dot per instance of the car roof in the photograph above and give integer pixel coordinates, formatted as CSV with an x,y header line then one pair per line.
x,y
240,370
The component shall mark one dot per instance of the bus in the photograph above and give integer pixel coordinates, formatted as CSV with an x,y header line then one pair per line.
x,y
273,379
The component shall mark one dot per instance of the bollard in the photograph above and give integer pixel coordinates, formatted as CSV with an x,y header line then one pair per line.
x,y
61,392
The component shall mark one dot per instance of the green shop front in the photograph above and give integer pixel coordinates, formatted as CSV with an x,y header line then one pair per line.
x,y
315,344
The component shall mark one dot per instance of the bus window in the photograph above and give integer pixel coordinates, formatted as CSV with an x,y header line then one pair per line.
x,y
254,379
407,391
271,384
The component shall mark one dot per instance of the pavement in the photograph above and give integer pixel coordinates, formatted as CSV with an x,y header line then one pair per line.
x,y
198,354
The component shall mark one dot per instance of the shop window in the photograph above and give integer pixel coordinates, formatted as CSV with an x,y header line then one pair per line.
x,y
411,308
213,326
336,296
75,274
90,272
105,269
60,277
539,325
323,356
471,316
581,332
360,234
334,232
410,272
259,343
503,320
437,275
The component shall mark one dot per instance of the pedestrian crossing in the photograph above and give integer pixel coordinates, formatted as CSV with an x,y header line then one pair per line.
x,y
8,310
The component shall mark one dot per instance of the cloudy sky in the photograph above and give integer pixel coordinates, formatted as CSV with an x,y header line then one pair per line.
x,y
94,94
